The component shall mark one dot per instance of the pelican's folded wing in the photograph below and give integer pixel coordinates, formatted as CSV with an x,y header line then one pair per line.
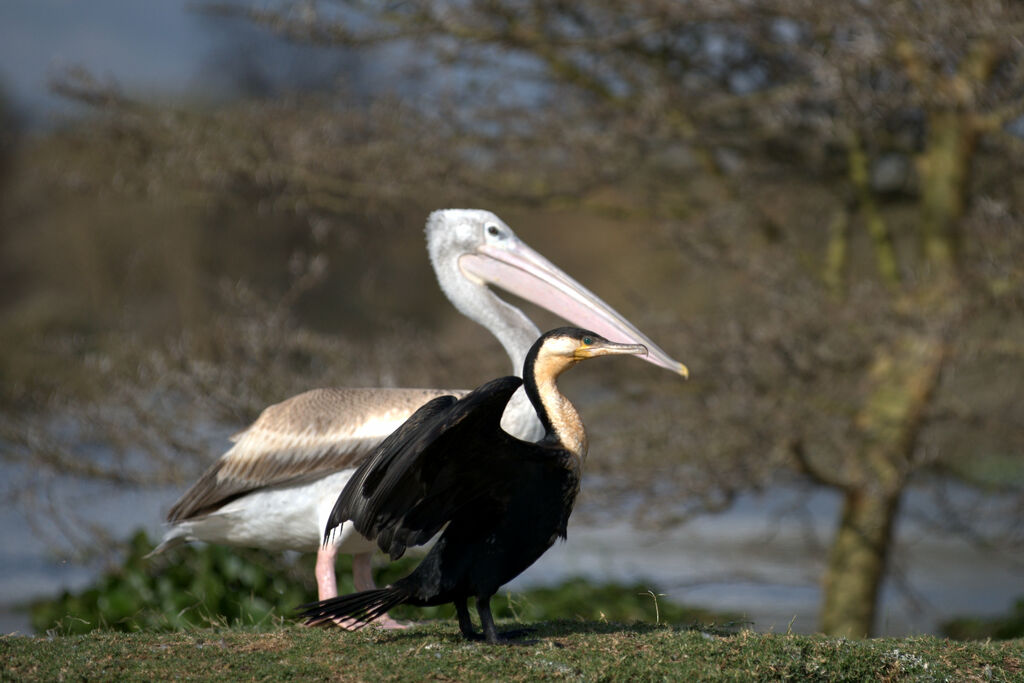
x,y
301,439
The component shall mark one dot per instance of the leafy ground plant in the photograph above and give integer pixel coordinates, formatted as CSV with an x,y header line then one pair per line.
x,y
214,586
1010,625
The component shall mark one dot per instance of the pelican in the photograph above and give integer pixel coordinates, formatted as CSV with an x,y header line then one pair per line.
x,y
501,501
276,486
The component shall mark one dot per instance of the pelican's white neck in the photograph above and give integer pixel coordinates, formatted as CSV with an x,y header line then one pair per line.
x,y
476,301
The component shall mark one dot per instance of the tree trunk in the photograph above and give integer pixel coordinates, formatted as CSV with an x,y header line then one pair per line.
x,y
857,562
881,239
899,386
944,167
901,383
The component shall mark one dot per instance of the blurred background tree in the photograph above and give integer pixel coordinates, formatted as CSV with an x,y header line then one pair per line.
x,y
827,197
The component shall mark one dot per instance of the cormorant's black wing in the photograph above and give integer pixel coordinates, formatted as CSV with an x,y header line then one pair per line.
x,y
430,468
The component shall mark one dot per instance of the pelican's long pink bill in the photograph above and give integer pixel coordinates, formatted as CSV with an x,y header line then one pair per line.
x,y
520,270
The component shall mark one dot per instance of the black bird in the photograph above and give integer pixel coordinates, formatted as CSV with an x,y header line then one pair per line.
x,y
505,501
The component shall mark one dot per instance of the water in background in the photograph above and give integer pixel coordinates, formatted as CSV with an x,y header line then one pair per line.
x,y
762,558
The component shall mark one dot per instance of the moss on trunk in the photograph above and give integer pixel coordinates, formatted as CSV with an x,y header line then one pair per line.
x,y
901,383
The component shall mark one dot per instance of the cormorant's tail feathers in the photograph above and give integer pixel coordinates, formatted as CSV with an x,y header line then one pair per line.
x,y
356,610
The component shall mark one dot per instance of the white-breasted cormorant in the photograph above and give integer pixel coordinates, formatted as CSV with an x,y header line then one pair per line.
x,y
501,501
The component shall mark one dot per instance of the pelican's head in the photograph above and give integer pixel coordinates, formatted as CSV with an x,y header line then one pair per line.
x,y
471,249
454,232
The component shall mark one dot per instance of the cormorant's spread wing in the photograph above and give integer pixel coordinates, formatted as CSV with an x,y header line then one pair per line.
x,y
445,456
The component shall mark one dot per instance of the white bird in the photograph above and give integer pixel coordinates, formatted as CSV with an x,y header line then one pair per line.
x,y
276,486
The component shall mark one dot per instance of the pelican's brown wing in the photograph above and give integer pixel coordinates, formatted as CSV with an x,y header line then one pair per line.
x,y
301,439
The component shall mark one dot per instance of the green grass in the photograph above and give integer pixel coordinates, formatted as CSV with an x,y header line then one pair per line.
x,y
584,650
215,613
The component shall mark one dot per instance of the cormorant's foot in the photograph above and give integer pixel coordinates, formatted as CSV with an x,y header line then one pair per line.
x,y
513,642
516,633
504,638
509,637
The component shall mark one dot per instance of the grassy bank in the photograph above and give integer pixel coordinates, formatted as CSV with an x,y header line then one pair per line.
x,y
562,650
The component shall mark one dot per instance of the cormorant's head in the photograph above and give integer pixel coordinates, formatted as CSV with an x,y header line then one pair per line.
x,y
560,349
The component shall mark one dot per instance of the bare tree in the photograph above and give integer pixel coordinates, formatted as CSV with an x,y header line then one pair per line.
x,y
838,171
753,105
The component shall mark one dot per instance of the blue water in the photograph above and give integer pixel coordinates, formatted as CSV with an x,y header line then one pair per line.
x,y
43,523
762,558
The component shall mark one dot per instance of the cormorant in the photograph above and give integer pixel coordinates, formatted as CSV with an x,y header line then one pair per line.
x,y
501,501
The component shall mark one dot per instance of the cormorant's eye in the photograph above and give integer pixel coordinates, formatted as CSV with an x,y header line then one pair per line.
x,y
492,229
587,341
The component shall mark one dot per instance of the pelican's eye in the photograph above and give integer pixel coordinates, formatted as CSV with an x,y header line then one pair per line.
x,y
493,230
587,341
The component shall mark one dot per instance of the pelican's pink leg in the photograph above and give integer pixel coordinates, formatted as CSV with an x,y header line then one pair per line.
x,y
326,583
362,577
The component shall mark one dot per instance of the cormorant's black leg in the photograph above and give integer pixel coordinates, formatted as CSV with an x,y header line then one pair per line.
x,y
465,623
491,635
483,608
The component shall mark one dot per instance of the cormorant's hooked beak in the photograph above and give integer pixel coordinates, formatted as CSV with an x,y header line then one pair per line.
x,y
607,348
518,269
